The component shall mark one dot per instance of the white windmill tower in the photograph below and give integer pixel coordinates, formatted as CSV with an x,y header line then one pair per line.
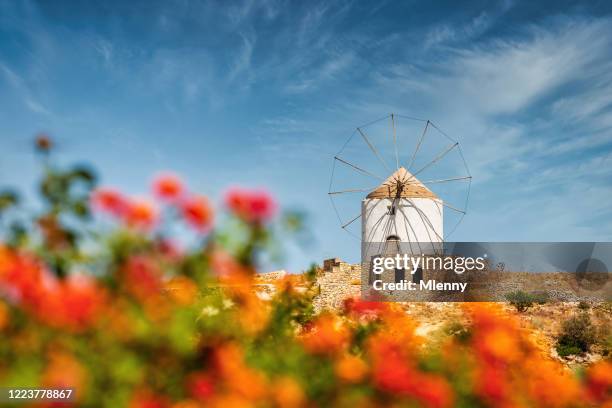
x,y
401,208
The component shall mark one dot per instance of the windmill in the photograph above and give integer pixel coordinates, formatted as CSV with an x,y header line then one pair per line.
x,y
404,181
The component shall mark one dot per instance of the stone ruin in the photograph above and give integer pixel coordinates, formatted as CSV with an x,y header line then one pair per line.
x,y
336,282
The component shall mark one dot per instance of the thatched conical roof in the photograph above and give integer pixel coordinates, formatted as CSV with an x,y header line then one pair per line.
x,y
402,184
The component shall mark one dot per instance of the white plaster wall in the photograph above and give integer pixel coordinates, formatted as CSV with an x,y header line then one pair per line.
x,y
422,220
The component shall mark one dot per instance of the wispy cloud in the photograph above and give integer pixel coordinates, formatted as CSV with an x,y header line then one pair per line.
x,y
242,62
319,74
22,90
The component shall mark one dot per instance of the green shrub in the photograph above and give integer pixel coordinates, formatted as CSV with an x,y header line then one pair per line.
x,y
540,297
577,335
521,300
565,351
582,305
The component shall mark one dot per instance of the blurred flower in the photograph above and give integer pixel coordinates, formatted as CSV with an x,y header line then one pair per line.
x,y
250,205
75,304
287,393
142,278
227,268
168,186
350,369
492,386
238,377
147,399
43,143
182,290
141,214
327,335
393,375
551,385
200,386
63,370
169,249
198,213
23,279
210,311
599,381
4,316
363,308
109,200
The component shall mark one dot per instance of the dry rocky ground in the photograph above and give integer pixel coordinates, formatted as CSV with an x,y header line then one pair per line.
x,y
542,322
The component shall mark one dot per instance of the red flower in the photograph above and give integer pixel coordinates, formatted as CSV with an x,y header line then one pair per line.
x,y
169,249
75,303
250,205
147,399
141,214
397,377
109,200
358,307
200,386
142,277
168,186
198,213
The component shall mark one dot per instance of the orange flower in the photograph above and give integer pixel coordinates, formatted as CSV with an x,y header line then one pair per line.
x,y
4,316
141,214
147,399
198,212
327,335
288,393
499,344
109,200
168,186
250,205
182,290
75,304
551,385
350,369
64,371
599,381
238,377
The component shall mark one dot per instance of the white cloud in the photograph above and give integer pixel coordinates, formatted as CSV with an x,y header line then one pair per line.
x,y
23,91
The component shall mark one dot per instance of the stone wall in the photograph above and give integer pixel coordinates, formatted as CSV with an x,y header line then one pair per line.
x,y
337,281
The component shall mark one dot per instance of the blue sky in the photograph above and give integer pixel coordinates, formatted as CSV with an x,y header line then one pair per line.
x,y
265,93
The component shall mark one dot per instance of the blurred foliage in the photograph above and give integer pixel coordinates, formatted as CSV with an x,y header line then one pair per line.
x,y
129,316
